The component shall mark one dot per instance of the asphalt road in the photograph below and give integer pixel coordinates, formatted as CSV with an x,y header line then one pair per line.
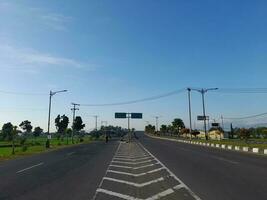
x,y
71,173
149,168
213,173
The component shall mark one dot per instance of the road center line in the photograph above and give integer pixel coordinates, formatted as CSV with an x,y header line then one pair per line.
x,y
30,167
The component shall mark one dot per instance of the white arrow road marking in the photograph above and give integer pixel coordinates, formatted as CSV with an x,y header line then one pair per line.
x,y
29,167
127,167
132,163
136,175
135,184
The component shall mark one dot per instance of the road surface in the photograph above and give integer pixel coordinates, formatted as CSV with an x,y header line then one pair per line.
x,y
146,169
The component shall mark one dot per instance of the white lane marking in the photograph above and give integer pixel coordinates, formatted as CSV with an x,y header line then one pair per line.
x,y
131,157
127,159
71,153
161,194
29,167
225,160
136,175
116,194
127,167
127,197
172,174
132,163
100,184
134,184
214,157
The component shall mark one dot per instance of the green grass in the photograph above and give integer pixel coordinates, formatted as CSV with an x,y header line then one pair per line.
x,y
37,145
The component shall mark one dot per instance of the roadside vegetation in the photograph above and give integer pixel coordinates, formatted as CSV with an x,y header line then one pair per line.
x,y
243,137
23,139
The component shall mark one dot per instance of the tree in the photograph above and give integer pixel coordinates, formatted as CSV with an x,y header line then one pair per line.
x,y
163,128
7,131
26,126
244,133
178,124
150,129
78,124
61,123
195,133
185,131
37,131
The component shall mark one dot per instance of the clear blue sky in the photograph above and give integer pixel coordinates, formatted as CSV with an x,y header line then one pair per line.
x,y
107,51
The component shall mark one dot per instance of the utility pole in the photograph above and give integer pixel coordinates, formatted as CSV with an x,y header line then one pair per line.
x,y
222,122
189,110
96,116
203,91
49,116
157,122
73,118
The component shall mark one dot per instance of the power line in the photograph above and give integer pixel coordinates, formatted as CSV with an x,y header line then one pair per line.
x,y
139,100
247,117
242,90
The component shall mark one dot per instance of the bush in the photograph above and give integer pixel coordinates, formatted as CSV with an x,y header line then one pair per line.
x,y
23,141
47,144
24,148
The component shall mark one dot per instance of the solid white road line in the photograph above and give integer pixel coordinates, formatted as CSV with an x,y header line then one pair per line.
x,y
171,173
29,167
136,175
134,184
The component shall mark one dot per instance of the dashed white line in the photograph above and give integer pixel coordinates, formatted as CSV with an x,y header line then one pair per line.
x,y
29,167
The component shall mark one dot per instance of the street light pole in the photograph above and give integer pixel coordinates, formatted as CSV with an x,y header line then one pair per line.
x,y
189,110
203,91
49,116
